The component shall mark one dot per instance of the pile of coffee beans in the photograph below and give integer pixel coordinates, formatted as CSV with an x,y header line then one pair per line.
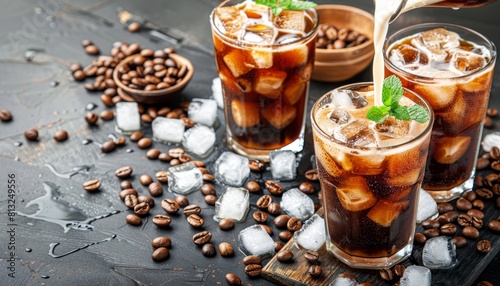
x,y
331,37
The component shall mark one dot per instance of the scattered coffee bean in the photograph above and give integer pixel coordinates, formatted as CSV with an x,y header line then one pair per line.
x,y
160,254
175,152
133,219
226,249
136,136
495,153
123,172
469,195
92,50
278,246
294,224
125,185
134,27
478,204
170,206
284,256
386,274
142,209
399,270
285,235
478,180
208,250
274,208
463,204
208,177
274,187
260,217
459,241
483,246
475,213
444,207
448,217
448,229
145,180
430,223
253,270
147,199
107,115
174,162
144,143
307,188
195,221
226,224
311,256
233,279
210,199
251,259
91,118
131,201
484,193
431,232
92,185
161,241
153,153
61,135
464,220
124,193
162,176
281,221
182,200
315,270
191,209
267,229
207,189
470,232
108,146
494,226
312,175
485,283
155,189
420,238
253,187
256,165
264,201
79,75
202,237
482,163
120,141
162,220
492,112
31,134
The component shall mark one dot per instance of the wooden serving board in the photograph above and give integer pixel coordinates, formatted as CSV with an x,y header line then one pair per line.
x,y
470,262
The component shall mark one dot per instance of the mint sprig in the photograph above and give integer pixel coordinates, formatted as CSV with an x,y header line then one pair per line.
x,y
392,91
279,5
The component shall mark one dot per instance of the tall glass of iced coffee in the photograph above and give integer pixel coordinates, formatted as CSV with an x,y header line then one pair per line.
x,y
452,68
370,175
264,62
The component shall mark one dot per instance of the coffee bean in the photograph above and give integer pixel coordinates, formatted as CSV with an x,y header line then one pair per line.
x,y
155,189
124,193
311,256
463,204
191,209
495,153
448,229
210,199
470,232
142,208
495,165
198,164
431,232
161,241
469,195
484,193
233,279
459,241
120,141
134,27
207,189
315,270
195,221
162,220
448,217
475,213
107,115
136,136
125,185
251,259
145,180
312,175
488,181
91,118
170,206
160,254
92,50
92,185
123,172
176,152
202,237
264,201
147,199
31,134
399,270
284,256
208,250
420,238
208,177
253,187
260,217
274,187
478,180
153,154
285,235
464,220
274,208
487,122
256,165
182,200
108,146
386,274
281,221
485,283
226,249
482,163
494,226
253,270
477,222
131,201
226,224
278,246
133,219
307,188
146,118
267,229
444,207
430,223
162,176
144,143
294,224
61,135
483,246
174,162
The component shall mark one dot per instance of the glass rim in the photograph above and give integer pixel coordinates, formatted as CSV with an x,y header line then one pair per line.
x,y
322,133
309,35
489,44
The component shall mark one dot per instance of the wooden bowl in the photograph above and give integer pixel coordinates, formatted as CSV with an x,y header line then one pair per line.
x,y
333,65
154,96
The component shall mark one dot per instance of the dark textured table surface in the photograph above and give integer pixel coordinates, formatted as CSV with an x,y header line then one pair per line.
x,y
49,175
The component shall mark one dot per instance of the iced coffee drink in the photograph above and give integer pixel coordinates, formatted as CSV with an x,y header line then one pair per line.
x,y
370,175
264,62
452,68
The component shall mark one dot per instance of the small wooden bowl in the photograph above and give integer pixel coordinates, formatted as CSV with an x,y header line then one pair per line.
x,y
333,65
154,96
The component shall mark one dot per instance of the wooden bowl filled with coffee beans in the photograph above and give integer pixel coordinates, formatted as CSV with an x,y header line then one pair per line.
x,y
152,77
344,46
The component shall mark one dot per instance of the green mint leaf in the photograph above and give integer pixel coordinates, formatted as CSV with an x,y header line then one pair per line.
x,y
418,113
276,10
378,113
400,112
392,90
279,5
301,5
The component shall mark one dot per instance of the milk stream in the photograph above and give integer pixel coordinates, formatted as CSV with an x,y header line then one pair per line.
x,y
384,9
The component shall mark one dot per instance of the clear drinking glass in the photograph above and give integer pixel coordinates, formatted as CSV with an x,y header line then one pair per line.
x,y
370,176
456,83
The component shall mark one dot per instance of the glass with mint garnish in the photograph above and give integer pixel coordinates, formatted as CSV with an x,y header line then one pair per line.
x,y
264,51
371,163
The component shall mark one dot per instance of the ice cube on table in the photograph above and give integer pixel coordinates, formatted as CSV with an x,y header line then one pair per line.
x,y
283,165
312,234
217,92
203,111
297,204
128,118
254,240
439,253
343,281
184,178
168,129
427,207
233,204
231,169
415,275
199,140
